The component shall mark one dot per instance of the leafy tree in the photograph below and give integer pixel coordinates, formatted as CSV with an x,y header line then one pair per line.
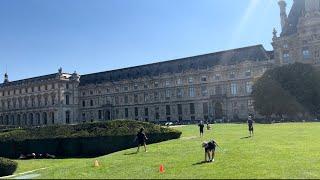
x,y
288,90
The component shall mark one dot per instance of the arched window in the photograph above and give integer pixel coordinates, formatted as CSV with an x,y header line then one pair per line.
x,y
38,118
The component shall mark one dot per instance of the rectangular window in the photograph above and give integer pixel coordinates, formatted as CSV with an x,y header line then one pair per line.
x,y
179,93
232,75
233,88
204,78
168,94
146,97
136,111
286,57
190,80
248,73
157,115
192,108
67,100
218,90
167,83
146,112
191,92
205,108
249,87
204,91
250,104
126,99
179,109
100,114
126,112
135,98
156,96
156,84
135,87
179,81
168,110
306,54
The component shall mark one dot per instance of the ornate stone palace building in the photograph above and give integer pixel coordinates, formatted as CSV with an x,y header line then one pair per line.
x,y
205,87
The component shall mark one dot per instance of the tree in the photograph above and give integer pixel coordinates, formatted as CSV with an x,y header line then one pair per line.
x,y
288,90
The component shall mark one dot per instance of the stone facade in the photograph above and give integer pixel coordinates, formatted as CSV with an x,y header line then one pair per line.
x,y
206,87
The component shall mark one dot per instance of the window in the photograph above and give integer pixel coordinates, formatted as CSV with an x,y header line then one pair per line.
x,y
168,110
191,92
126,99
126,112
145,86
179,93
204,91
168,94
218,90
68,117
157,115
248,73
100,114
167,83
135,87
306,53
179,81
46,87
249,87
286,57
285,46
204,78
135,98
232,75
250,104
126,88
179,109
116,99
136,111
190,80
192,108
233,88
205,108
91,102
83,103
156,84
83,117
146,112
67,100
156,96
146,97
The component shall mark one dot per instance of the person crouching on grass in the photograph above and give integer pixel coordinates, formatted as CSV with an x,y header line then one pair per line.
x,y
142,138
209,150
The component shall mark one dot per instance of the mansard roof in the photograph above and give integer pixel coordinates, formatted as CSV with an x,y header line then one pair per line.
x,y
297,11
229,57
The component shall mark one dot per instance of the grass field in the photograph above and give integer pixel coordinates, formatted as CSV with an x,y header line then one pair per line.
x,y
276,151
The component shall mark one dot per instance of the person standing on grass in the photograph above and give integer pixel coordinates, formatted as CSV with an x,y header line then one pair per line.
x,y
250,125
142,138
201,127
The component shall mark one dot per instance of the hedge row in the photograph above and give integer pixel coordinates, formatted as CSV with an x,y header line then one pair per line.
x,y
7,167
85,140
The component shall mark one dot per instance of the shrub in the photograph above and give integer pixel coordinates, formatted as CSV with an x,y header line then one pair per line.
x,y
7,167
82,140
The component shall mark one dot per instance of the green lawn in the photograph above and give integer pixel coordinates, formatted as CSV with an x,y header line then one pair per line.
x,y
276,151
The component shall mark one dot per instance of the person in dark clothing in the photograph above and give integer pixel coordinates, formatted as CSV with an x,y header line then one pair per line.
x,y
141,138
201,127
209,150
250,125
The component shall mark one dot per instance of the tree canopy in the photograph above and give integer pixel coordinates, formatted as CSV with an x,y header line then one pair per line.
x,y
288,90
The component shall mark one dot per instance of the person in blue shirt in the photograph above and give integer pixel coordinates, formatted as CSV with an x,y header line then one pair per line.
x,y
250,125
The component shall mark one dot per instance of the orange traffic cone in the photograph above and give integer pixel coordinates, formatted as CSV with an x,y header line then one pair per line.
x,y
161,169
96,163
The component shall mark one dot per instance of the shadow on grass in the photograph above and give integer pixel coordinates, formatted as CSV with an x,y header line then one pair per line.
x,y
199,163
132,153
246,137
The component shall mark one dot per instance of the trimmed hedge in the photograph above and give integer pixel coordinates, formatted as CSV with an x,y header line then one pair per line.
x,y
7,167
82,140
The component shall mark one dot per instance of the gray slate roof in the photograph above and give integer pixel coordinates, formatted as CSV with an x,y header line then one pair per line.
x,y
229,57
297,11
30,80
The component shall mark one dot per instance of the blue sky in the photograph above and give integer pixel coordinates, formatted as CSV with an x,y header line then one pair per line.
x,y
39,36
